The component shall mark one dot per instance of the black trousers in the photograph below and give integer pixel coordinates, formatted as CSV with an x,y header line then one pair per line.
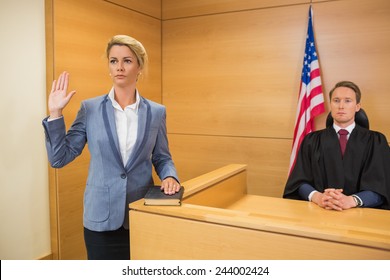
x,y
107,245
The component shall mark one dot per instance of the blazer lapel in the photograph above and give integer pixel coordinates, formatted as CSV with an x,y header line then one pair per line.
x,y
144,119
110,127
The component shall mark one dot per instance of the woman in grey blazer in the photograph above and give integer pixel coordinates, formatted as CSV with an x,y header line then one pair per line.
x,y
126,135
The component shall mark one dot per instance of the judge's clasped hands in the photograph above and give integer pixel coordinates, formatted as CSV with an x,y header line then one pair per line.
x,y
333,199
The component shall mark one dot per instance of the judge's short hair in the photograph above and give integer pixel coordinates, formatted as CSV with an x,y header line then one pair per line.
x,y
350,85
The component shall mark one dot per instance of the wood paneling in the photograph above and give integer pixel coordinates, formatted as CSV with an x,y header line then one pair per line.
x,y
228,191
71,182
204,240
353,39
231,80
49,29
79,32
148,7
267,159
222,225
82,30
189,8
231,74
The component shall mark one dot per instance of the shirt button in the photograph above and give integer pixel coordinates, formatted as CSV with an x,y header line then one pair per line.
x,y
123,176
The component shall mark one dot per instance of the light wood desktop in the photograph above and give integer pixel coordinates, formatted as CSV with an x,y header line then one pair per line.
x,y
219,220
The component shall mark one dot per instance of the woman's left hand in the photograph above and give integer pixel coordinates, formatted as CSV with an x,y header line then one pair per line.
x,y
170,186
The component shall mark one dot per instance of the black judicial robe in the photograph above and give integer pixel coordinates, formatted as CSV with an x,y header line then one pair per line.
x,y
365,166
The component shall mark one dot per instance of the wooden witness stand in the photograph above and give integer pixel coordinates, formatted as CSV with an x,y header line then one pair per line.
x,y
219,220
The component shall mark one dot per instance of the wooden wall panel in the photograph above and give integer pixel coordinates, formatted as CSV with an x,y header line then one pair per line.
x,y
148,7
178,9
267,159
353,40
49,39
79,33
71,182
231,74
231,78
82,30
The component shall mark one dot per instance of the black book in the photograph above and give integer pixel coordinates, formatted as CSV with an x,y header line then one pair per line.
x,y
155,196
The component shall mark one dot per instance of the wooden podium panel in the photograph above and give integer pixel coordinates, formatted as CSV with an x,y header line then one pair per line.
x,y
218,220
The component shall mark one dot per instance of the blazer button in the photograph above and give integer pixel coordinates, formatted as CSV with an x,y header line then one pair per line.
x,y
123,176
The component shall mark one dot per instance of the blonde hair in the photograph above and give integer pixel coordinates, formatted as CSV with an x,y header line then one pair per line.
x,y
135,46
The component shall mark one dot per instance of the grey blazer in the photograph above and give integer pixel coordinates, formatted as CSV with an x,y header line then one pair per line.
x,y
111,185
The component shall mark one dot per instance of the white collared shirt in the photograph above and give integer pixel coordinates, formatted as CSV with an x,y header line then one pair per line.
x,y
126,122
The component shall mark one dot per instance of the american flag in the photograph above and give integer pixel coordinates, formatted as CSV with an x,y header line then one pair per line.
x,y
311,98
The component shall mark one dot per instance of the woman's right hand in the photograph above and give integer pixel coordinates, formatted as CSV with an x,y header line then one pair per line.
x,y
59,97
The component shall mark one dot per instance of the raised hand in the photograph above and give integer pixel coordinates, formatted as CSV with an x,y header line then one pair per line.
x,y
59,97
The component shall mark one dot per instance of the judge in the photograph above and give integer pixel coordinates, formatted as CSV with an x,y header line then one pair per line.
x,y
337,180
